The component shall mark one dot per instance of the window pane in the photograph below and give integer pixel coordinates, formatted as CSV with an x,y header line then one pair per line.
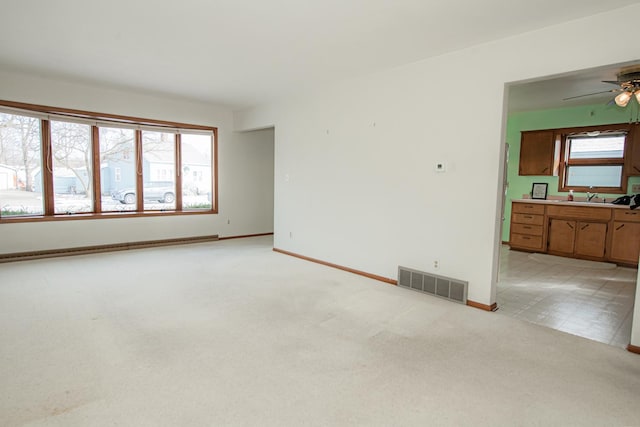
x,y
118,169
609,147
158,170
72,177
196,171
594,176
20,166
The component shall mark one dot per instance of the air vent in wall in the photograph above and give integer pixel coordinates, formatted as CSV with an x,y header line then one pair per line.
x,y
443,287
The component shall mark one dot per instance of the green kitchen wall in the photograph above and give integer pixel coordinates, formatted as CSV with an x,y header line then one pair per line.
x,y
551,119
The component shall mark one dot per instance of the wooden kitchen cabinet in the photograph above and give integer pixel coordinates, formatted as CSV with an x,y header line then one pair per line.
x,y
591,239
632,167
537,151
527,226
625,237
562,236
578,230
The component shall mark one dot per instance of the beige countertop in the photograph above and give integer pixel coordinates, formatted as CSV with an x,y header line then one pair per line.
x,y
598,204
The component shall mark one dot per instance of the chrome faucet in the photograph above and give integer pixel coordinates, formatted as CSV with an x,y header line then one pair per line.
x,y
591,195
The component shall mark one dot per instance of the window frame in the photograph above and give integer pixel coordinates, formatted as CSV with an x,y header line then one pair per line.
x,y
565,163
48,113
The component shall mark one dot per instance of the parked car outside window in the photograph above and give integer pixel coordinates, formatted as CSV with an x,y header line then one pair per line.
x,y
161,191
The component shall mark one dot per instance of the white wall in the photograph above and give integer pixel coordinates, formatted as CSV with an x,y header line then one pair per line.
x,y
245,170
354,164
635,327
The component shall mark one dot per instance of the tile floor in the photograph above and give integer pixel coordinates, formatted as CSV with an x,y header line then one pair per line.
x,y
591,303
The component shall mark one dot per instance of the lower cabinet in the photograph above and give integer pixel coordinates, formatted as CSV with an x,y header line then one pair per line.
x,y
577,238
625,242
598,233
591,239
562,236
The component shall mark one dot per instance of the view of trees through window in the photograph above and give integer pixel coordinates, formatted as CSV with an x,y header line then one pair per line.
x,y
96,167
71,167
20,165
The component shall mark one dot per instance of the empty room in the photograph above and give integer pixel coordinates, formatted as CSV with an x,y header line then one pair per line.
x,y
319,213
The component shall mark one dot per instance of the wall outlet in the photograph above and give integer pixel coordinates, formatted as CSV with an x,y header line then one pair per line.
x,y
440,167
228,221
635,188
291,234
436,264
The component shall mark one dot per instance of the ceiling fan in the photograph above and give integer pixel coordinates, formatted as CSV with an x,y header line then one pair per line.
x,y
629,85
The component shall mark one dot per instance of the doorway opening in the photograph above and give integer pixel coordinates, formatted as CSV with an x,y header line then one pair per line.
x,y
592,300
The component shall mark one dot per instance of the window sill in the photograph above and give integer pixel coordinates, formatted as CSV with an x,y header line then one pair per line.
x,y
103,215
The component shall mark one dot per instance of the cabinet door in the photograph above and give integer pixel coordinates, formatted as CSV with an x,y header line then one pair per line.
x,y
537,149
591,239
633,166
625,242
562,235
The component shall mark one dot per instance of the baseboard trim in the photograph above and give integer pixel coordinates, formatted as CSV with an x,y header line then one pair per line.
x,y
245,236
485,307
83,250
339,267
633,349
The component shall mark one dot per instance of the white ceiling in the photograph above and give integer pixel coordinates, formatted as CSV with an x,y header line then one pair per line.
x,y
246,52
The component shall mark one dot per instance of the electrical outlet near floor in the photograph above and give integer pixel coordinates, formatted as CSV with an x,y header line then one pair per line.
x,y
635,188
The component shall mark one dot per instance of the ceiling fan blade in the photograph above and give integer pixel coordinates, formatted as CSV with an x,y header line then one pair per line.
x,y
589,94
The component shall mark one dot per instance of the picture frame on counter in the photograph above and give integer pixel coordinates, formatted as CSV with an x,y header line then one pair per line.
x,y
539,190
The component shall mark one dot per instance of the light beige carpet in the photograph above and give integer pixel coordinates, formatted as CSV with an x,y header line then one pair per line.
x,y
572,262
231,333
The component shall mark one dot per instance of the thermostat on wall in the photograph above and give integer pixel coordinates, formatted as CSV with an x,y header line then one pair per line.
x,y
441,167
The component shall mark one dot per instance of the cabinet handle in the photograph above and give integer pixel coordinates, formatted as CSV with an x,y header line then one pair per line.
x,y
526,227
630,213
526,238
584,227
545,169
570,226
618,228
528,216
528,207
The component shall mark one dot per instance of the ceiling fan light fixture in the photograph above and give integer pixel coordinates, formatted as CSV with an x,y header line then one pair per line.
x,y
623,99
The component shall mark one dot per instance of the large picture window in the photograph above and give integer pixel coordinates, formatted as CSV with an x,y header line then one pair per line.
x,y
58,163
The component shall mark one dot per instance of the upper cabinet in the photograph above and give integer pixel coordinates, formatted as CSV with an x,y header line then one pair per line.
x,y
633,165
537,151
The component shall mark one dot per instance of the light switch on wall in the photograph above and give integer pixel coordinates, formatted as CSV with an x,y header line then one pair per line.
x,y
635,188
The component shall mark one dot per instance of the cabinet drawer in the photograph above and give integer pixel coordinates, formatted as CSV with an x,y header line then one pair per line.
x,y
532,230
579,212
528,219
525,241
624,215
528,208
